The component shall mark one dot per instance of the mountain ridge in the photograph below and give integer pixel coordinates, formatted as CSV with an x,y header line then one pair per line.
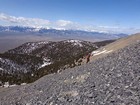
x,y
43,31
33,60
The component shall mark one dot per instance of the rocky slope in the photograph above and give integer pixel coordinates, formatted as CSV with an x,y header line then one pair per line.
x,y
112,47
110,80
33,60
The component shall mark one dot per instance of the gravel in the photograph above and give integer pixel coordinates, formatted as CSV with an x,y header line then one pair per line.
x,y
111,80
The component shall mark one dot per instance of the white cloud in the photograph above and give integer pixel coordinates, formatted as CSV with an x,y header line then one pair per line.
x,y
12,20
62,24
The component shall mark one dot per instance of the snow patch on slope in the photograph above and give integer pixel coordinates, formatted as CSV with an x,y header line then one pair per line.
x,y
75,42
1,69
45,63
10,66
28,47
33,46
94,53
7,85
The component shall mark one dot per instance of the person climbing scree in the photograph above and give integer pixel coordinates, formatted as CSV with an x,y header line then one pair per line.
x,y
88,58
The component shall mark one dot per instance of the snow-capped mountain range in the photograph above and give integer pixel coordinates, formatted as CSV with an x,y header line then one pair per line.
x,y
60,32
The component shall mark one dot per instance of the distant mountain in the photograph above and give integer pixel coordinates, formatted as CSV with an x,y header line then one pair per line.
x,y
61,33
33,60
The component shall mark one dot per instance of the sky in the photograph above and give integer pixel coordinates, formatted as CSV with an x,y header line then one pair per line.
x,y
92,15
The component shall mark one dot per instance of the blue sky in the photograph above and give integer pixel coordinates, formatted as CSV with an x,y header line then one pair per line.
x,y
118,15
